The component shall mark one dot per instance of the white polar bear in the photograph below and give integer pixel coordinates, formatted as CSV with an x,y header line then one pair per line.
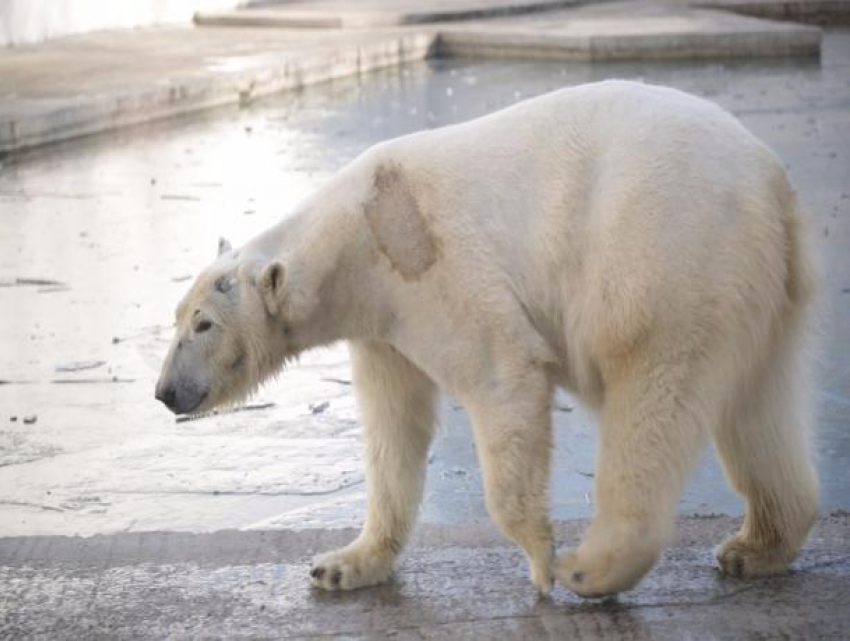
x,y
630,243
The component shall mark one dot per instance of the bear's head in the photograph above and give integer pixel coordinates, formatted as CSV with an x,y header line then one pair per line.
x,y
230,335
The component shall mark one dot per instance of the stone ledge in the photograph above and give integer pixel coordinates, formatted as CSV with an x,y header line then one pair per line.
x,y
30,122
630,31
373,14
569,45
822,12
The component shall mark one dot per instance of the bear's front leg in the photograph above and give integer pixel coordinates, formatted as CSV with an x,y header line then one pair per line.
x,y
513,435
397,407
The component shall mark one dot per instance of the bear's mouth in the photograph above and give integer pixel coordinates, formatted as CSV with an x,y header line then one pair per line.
x,y
196,408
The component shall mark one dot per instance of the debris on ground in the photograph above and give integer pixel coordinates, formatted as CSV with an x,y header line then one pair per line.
x,y
251,407
564,407
318,408
245,408
39,282
29,420
79,366
179,197
90,381
194,417
180,279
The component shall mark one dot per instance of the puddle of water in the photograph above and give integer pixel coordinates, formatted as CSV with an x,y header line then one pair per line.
x,y
119,223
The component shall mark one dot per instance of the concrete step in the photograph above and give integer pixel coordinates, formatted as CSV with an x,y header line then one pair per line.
x,y
374,13
822,12
630,31
461,582
78,86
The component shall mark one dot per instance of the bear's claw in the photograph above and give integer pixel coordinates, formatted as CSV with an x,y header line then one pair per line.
x,y
350,568
737,557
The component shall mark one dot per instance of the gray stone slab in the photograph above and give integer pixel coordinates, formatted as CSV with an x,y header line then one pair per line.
x,y
79,86
372,13
823,12
460,583
630,31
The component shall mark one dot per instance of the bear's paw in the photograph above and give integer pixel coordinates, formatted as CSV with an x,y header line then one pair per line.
x,y
349,568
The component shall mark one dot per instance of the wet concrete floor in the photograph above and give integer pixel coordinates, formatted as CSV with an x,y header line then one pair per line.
x,y
100,238
452,583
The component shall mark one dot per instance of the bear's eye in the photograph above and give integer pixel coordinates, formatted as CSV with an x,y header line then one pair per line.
x,y
222,284
203,326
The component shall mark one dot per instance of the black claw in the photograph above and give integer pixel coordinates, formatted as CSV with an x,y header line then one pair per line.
x,y
317,573
578,577
336,578
738,566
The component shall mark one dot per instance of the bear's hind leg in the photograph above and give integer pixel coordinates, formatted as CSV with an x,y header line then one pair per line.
x,y
765,453
652,429
513,435
397,408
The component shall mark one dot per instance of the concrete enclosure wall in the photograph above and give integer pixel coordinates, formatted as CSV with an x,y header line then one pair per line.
x,y
29,21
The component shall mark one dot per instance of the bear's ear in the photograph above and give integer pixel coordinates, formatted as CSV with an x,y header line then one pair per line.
x,y
271,284
223,246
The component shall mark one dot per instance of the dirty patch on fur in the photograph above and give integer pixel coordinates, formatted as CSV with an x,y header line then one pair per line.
x,y
398,226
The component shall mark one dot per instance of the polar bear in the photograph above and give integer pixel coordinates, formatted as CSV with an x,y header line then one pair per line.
x,y
631,243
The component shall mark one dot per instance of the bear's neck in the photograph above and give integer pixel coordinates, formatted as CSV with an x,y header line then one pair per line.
x,y
337,293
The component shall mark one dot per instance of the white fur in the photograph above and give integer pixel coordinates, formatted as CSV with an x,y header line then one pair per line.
x,y
632,244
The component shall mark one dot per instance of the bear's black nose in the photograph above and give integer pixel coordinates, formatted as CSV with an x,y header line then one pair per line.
x,y
168,396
